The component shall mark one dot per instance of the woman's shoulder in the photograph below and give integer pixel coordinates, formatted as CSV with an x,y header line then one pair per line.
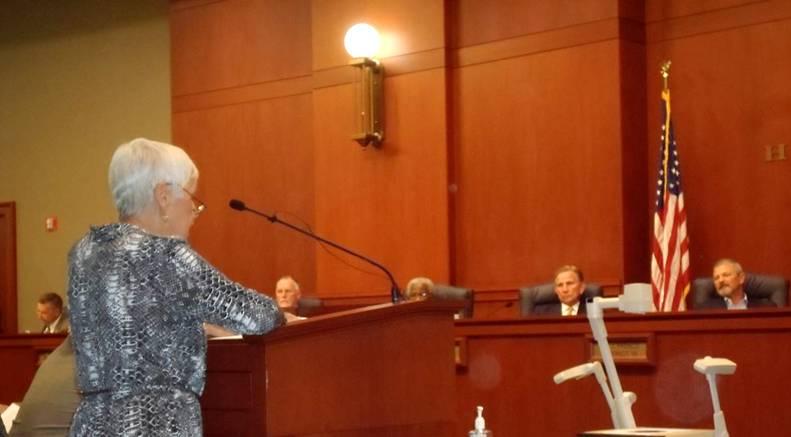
x,y
128,237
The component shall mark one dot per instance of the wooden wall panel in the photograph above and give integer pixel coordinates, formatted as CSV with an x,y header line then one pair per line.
x,y
731,98
659,10
557,39
228,44
390,204
714,19
539,167
479,22
261,153
634,152
243,111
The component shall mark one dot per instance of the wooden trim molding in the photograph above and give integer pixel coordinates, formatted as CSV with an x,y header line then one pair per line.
x,y
394,66
578,35
186,4
236,95
717,21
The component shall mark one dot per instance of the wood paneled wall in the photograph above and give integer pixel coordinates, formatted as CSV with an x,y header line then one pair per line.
x,y
391,204
243,110
519,136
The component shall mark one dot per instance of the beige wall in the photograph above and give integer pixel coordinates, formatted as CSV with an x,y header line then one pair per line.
x,y
77,78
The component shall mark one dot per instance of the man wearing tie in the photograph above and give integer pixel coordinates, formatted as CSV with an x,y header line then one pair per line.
x,y
569,286
50,311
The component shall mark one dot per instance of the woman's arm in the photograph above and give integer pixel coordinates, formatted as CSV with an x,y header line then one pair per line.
x,y
223,302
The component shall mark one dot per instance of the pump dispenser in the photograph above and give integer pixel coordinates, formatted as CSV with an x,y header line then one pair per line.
x,y
480,425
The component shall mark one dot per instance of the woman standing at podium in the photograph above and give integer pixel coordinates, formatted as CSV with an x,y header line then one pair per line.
x,y
139,296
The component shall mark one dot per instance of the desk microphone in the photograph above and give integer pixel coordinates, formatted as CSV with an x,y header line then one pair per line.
x,y
395,293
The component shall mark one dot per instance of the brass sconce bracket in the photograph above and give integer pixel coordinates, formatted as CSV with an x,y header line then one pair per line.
x,y
370,99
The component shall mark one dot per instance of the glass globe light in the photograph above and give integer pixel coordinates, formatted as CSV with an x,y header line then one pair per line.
x,y
362,41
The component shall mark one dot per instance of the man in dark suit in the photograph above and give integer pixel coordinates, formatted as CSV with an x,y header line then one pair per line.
x,y
569,286
51,311
728,278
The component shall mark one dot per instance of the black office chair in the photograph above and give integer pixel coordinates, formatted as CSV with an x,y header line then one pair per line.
x,y
761,291
450,292
544,294
309,306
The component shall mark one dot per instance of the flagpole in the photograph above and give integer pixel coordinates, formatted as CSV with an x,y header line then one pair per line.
x,y
665,71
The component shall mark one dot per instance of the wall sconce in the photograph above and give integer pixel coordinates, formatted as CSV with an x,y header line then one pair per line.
x,y
362,43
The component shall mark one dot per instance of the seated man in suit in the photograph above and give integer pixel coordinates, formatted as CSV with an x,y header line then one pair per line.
x,y
419,288
288,294
49,309
52,397
728,278
569,286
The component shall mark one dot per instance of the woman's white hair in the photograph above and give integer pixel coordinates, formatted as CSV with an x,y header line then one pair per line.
x,y
139,165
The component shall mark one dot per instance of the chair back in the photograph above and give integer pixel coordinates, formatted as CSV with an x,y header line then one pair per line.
x,y
763,289
544,294
449,292
309,306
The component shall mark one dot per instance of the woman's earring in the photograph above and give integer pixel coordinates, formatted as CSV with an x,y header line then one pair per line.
x,y
165,218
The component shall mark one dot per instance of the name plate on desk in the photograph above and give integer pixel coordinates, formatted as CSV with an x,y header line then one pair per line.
x,y
636,349
657,432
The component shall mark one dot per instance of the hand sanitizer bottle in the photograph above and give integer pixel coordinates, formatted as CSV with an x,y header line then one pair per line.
x,y
480,426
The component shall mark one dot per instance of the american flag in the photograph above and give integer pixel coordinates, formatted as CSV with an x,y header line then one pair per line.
x,y
669,242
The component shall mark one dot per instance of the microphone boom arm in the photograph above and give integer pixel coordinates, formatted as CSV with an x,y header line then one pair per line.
x,y
395,293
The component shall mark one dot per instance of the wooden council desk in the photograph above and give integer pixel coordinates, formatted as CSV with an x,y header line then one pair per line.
x,y
504,365
508,367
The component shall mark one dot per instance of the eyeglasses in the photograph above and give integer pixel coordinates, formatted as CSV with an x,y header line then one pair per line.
x,y
197,205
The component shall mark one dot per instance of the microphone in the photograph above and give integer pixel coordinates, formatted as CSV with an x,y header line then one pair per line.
x,y
395,293
237,204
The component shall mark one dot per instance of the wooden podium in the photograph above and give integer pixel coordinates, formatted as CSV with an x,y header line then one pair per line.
x,y
384,370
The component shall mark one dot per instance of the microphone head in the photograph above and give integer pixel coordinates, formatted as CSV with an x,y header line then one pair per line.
x,y
237,205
